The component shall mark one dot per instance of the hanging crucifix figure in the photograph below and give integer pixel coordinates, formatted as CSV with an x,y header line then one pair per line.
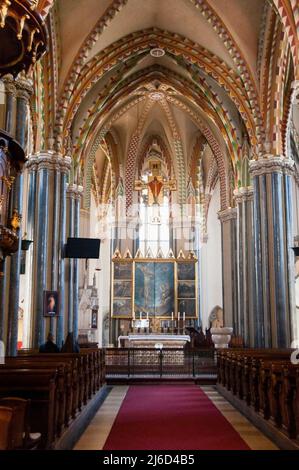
x,y
155,185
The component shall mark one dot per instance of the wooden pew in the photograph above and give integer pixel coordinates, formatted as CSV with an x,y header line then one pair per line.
x,y
64,387
6,420
267,380
40,386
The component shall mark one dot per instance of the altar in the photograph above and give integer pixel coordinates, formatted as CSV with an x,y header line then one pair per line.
x,y
157,341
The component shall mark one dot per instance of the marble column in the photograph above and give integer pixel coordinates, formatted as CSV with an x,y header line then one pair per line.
x,y
44,166
55,238
24,90
10,96
74,195
272,224
65,164
71,210
228,219
245,261
77,204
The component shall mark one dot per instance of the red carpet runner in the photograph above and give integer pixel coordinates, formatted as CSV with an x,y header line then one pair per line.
x,y
171,417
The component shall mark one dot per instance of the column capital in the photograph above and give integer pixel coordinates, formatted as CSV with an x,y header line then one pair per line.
x,y
24,88
10,85
74,191
243,194
271,164
227,214
50,161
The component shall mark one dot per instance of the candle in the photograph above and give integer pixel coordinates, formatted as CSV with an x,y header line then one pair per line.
x,y
140,316
171,316
147,316
178,316
184,316
134,315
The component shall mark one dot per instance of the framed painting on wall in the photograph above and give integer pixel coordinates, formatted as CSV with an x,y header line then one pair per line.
x,y
186,290
187,306
122,307
51,303
123,271
186,271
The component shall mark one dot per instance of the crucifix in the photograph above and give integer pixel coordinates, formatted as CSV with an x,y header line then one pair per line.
x,y
155,185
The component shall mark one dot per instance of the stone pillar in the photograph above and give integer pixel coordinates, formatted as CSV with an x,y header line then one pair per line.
x,y
44,165
228,219
245,257
71,210
10,95
24,91
74,195
78,195
65,164
55,237
273,310
43,168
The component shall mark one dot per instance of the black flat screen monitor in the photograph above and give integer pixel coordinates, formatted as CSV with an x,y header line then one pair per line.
x,y
296,250
82,248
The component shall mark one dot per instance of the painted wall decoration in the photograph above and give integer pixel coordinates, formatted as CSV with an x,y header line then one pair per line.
x,y
155,288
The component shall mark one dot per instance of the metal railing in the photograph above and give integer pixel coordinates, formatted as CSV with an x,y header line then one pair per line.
x,y
166,362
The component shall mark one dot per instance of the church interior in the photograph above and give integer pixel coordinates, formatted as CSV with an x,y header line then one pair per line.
x,y
149,225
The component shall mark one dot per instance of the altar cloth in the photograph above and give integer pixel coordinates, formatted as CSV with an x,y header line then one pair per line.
x,y
150,340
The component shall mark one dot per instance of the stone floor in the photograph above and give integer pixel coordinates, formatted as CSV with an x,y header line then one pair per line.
x,y
97,432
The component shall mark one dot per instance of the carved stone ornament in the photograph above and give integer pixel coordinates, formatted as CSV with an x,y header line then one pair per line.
x,y
271,164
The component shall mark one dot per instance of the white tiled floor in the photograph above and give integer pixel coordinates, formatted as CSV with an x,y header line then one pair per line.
x,y
97,432
249,433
